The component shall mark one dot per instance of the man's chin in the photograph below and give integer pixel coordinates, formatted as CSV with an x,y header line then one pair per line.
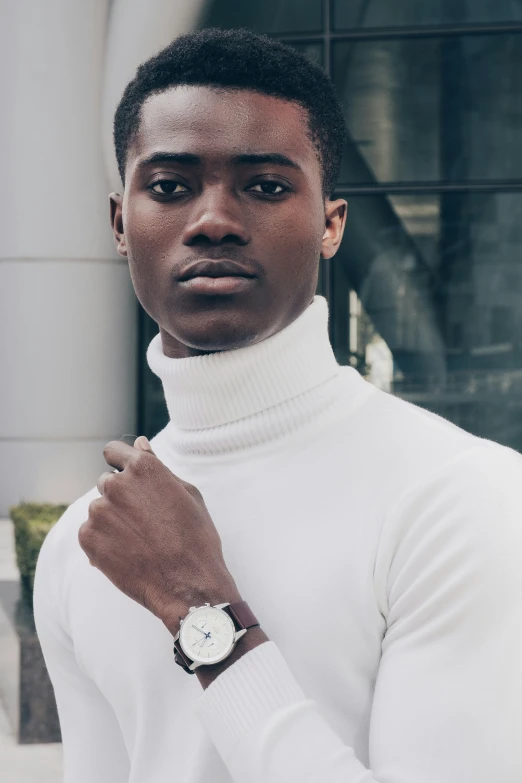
x,y
215,336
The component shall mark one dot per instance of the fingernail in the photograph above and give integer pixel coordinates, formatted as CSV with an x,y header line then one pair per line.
x,y
143,442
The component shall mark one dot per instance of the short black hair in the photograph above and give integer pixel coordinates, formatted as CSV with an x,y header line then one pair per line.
x,y
239,59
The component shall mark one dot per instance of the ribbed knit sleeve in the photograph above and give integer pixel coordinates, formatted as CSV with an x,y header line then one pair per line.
x,y
447,705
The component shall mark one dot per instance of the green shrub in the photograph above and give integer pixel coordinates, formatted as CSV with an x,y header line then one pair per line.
x,y
32,522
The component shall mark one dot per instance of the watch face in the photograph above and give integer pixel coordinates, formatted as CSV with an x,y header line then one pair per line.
x,y
207,634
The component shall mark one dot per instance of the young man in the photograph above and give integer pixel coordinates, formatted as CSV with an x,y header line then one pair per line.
x,y
372,550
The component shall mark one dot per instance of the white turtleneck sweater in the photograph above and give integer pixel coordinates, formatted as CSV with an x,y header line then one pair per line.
x,y
379,546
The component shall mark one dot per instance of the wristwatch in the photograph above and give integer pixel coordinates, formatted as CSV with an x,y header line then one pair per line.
x,y
208,634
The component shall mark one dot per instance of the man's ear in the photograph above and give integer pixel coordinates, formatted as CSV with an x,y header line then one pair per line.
x,y
116,205
335,221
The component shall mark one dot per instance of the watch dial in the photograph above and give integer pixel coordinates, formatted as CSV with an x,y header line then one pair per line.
x,y
207,635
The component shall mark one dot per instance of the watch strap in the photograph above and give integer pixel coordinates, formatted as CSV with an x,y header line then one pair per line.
x,y
242,617
181,658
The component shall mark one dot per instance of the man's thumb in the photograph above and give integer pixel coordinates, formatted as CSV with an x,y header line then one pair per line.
x,y
142,443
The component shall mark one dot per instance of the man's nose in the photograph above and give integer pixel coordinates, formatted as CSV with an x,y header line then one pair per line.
x,y
216,218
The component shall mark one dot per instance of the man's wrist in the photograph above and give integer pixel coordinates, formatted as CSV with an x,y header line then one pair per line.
x,y
253,638
173,614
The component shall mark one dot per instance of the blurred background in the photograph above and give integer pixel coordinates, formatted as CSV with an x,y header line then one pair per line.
x,y
425,294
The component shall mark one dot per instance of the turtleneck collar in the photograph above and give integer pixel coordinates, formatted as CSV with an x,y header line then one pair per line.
x,y
232,399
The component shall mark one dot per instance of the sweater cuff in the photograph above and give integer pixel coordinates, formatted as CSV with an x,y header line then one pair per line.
x,y
252,688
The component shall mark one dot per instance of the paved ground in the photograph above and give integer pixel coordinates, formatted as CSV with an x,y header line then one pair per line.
x,y
23,763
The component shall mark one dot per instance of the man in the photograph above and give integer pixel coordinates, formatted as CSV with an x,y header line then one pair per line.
x,y
371,550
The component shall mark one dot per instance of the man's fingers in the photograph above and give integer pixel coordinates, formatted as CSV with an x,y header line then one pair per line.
x,y
100,485
142,443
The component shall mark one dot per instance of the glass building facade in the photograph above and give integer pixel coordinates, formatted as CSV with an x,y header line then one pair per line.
x,y
425,293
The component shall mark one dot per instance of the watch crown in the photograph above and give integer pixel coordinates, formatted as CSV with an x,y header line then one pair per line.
x,y
207,604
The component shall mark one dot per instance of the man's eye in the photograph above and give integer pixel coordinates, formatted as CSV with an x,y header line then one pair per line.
x,y
269,188
167,187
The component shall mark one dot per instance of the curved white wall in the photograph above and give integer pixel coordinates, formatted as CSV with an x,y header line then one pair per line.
x,y
54,198
68,337
137,30
67,307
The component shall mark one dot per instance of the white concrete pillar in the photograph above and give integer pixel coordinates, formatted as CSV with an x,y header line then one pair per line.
x,y
67,307
137,30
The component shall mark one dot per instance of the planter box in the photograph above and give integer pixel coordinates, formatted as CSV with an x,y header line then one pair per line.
x,y
25,687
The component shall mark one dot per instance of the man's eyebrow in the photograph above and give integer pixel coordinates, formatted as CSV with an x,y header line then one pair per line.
x,y
256,158
186,158
245,159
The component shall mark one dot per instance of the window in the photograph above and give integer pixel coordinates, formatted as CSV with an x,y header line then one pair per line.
x,y
364,14
436,109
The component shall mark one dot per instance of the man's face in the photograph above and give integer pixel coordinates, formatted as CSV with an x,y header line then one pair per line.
x,y
208,195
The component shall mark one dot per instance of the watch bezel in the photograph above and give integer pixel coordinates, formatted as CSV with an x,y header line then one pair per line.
x,y
190,653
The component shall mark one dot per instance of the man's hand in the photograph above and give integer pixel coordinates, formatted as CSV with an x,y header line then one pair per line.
x,y
150,533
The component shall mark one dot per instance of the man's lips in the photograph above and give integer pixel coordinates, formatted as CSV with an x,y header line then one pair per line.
x,y
216,276
229,284
207,267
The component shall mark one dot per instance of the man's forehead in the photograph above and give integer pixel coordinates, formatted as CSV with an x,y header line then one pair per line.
x,y
193,117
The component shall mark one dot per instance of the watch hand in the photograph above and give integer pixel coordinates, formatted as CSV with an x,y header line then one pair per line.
x,y
201,642
198,629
